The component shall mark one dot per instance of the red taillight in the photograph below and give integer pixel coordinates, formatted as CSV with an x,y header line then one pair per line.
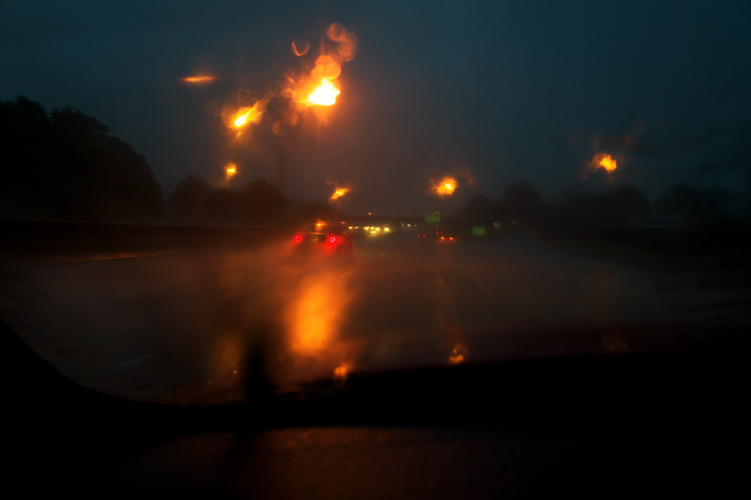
x,y
332,240
297,238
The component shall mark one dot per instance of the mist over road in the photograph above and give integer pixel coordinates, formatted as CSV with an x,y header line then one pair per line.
x,y
178,326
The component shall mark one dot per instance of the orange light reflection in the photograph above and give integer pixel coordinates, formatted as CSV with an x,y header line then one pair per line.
x,y
315,316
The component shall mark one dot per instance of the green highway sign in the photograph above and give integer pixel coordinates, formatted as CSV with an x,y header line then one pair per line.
x,y
433,217
478,230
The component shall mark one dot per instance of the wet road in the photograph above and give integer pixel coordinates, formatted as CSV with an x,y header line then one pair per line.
x,y
178,327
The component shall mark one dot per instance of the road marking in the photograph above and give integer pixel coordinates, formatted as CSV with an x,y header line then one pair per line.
x,y
98,257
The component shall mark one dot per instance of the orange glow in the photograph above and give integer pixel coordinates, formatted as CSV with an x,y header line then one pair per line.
x,y
198,79
315,316
444,186
341,371
607,162
300,47
458,353
600,160
319,86
325,94
338,193
336,32
252,114
230,169
346,41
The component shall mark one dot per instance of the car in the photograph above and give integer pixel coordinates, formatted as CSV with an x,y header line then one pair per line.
x,y
437,236
322,239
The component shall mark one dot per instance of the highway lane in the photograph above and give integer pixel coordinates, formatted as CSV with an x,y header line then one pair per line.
x,y
182,326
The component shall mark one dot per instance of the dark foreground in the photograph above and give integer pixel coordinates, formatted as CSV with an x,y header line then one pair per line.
x,y
466,372
588,426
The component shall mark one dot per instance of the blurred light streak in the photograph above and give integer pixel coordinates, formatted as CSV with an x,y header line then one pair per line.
x,y
198,79
338,193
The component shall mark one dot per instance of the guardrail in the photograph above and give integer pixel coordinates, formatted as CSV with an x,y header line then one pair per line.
x,y
64,238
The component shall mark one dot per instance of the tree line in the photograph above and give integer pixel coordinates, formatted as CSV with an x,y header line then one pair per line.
x,y
64,165
195,202
522,207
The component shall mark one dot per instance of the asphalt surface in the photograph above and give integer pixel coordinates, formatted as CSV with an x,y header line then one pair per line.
x,y
184,326
407,370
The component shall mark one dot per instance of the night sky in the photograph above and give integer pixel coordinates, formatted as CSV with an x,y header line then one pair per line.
x,y
496,92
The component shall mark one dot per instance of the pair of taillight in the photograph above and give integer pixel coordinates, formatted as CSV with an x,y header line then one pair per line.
x,y
298,239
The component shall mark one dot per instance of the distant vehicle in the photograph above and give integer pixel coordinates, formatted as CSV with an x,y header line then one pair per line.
x,y
437,236
327,240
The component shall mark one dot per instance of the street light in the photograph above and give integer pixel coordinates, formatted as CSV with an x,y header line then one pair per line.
x,y
229,172
322,95
254,114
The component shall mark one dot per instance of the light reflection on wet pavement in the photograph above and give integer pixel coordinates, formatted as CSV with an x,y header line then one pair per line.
x,y
178,327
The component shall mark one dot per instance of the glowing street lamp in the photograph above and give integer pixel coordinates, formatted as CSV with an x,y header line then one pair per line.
x,y
444,186
325,94
229,171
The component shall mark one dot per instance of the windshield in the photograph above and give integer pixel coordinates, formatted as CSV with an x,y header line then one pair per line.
x,y
500,181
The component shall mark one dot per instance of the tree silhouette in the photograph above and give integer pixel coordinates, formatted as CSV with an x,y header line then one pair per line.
x,y
521,204
681,199
67,167
585,213
262,201
481,209
184,204
195,202
623,205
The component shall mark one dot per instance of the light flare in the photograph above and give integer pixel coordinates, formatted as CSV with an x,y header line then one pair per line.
x,y
319,86
198,79
444,186
338,193
608,163
324,94
300,47
230,169
252,114
600,160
